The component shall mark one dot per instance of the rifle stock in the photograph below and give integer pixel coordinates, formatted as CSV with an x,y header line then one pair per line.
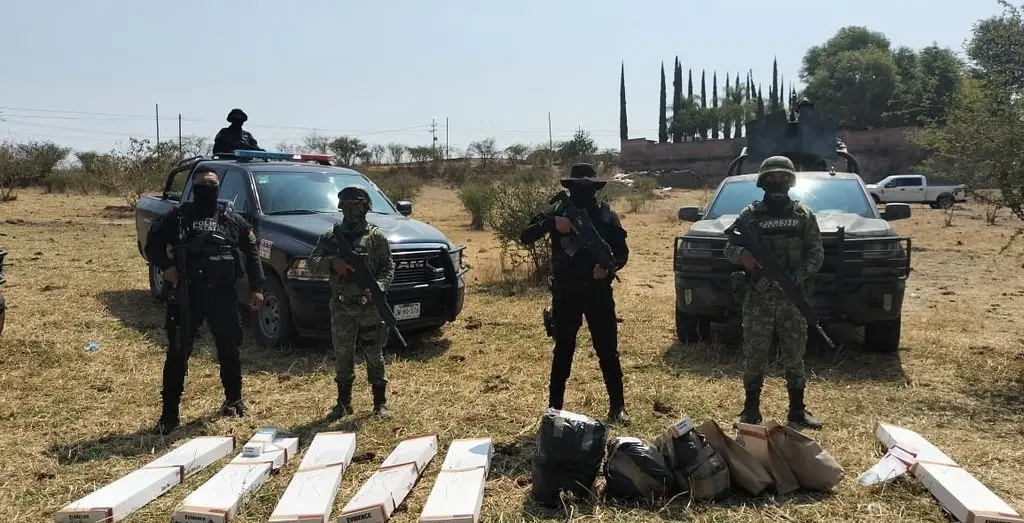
x,y
773,270
587,236
366,280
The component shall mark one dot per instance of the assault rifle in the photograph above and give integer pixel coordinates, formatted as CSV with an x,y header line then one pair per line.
x,y
365,280
178,296
586,237
772,271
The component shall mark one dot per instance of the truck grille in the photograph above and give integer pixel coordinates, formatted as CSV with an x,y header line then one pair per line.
x,y
418,267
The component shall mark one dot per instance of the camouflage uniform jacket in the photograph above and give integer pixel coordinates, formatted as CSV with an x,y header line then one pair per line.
x,y
792,235
371,244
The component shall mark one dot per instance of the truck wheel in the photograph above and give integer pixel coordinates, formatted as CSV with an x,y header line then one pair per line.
x,y
156,282
944,201
690,329
883,336
272,322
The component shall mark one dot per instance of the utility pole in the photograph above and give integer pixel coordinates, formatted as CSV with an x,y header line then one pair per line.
x,y
447,146
551,144
158,125
180,148
433,133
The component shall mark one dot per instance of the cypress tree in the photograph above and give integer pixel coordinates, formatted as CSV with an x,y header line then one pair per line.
x,y
663,109
623,128
714,105
760,102
727,126
689,86
677,102
774,95
703,105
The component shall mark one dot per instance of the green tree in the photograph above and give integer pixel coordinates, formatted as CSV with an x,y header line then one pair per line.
x,y
850,38
663,110
677,96
855,87
725,120
714,105
580,148
623,129
997,48
774,94
704,127
347,150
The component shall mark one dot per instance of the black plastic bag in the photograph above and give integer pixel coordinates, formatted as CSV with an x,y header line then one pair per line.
x,y
698,467
635,469
570,449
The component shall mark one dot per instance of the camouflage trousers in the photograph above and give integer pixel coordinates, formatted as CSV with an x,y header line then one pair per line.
x,y
770,316
358,328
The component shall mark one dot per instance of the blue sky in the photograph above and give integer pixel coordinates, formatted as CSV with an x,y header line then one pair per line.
x,y
383,70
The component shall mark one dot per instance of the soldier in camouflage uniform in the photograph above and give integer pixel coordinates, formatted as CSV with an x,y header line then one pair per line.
x,y
355,322
790,230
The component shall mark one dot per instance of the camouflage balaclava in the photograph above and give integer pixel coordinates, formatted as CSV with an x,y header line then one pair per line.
x,y
776,193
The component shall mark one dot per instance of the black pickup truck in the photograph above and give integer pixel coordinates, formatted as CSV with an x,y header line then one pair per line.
x,y
289,203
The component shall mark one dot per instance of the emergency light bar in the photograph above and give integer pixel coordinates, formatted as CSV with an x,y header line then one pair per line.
x,y
274,155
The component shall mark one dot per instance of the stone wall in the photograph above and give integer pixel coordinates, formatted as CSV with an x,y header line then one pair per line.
x,y
879,152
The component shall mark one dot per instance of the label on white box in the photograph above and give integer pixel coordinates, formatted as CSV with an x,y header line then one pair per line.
x,y
381,494
277,454
219,499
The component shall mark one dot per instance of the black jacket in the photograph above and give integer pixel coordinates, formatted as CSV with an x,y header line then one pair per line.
x,y
580,267
230,139
165,230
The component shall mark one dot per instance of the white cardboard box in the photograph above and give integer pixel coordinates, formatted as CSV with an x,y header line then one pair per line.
x,y
122,497
311,493
467,454
417,449
963,495
378,498
221,497
259,442
457,496
892,435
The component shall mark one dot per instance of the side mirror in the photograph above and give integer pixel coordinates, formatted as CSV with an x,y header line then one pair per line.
x,y
404,208
690,214
896,211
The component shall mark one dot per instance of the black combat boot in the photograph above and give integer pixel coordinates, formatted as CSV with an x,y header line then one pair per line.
x,y
344,405
797,413
380,404
618,415
751,414
234,408
169,416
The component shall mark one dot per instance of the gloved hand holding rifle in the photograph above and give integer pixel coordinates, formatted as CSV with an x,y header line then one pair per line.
x,y
586,236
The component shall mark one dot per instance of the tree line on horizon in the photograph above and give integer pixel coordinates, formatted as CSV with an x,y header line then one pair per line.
x,y
856,77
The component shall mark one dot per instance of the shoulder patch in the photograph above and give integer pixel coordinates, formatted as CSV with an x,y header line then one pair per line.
x,y
265,248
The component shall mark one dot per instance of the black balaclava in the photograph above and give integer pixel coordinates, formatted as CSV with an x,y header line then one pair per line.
x,y
205,196
583,196
353,218
776,194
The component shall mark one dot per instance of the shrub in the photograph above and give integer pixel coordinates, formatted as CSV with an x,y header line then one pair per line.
x,y
641,192
514,207
478,199
398,186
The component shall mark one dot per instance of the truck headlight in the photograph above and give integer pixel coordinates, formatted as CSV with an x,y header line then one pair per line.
x,y
458,257
299,271
882,249
697,249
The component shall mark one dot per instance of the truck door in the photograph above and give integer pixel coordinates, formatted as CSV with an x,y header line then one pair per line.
x,y
913,189
234,187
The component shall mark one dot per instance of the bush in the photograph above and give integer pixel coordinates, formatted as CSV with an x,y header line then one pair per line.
x,y
514,207
612,191
478,199
398,186
641,192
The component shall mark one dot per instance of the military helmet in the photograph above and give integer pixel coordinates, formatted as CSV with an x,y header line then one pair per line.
x,y
776,164
237,115
354,193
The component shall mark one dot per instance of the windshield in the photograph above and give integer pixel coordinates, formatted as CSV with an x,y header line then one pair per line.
x,y
307,193
823,195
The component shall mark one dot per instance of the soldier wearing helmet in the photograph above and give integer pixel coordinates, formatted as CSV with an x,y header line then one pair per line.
x,y
355,322
232,138
790,230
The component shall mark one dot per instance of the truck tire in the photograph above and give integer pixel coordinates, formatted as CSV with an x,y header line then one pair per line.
x,y
883,336
272,322
692,329
156,282
944,201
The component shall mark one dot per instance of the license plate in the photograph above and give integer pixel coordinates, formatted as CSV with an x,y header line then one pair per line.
x,y
407,311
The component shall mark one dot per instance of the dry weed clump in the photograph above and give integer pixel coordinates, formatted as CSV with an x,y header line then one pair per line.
x,y
74,419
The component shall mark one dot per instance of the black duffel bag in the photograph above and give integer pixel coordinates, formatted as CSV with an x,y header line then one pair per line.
x,y
635,469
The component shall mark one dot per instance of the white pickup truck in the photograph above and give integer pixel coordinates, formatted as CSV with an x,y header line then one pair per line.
x,y
914,188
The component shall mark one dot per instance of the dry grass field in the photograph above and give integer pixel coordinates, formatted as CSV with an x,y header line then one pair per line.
x,y
73,420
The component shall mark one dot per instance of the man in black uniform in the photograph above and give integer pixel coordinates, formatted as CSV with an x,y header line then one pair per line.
x,y
581,287
216,240
232,138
